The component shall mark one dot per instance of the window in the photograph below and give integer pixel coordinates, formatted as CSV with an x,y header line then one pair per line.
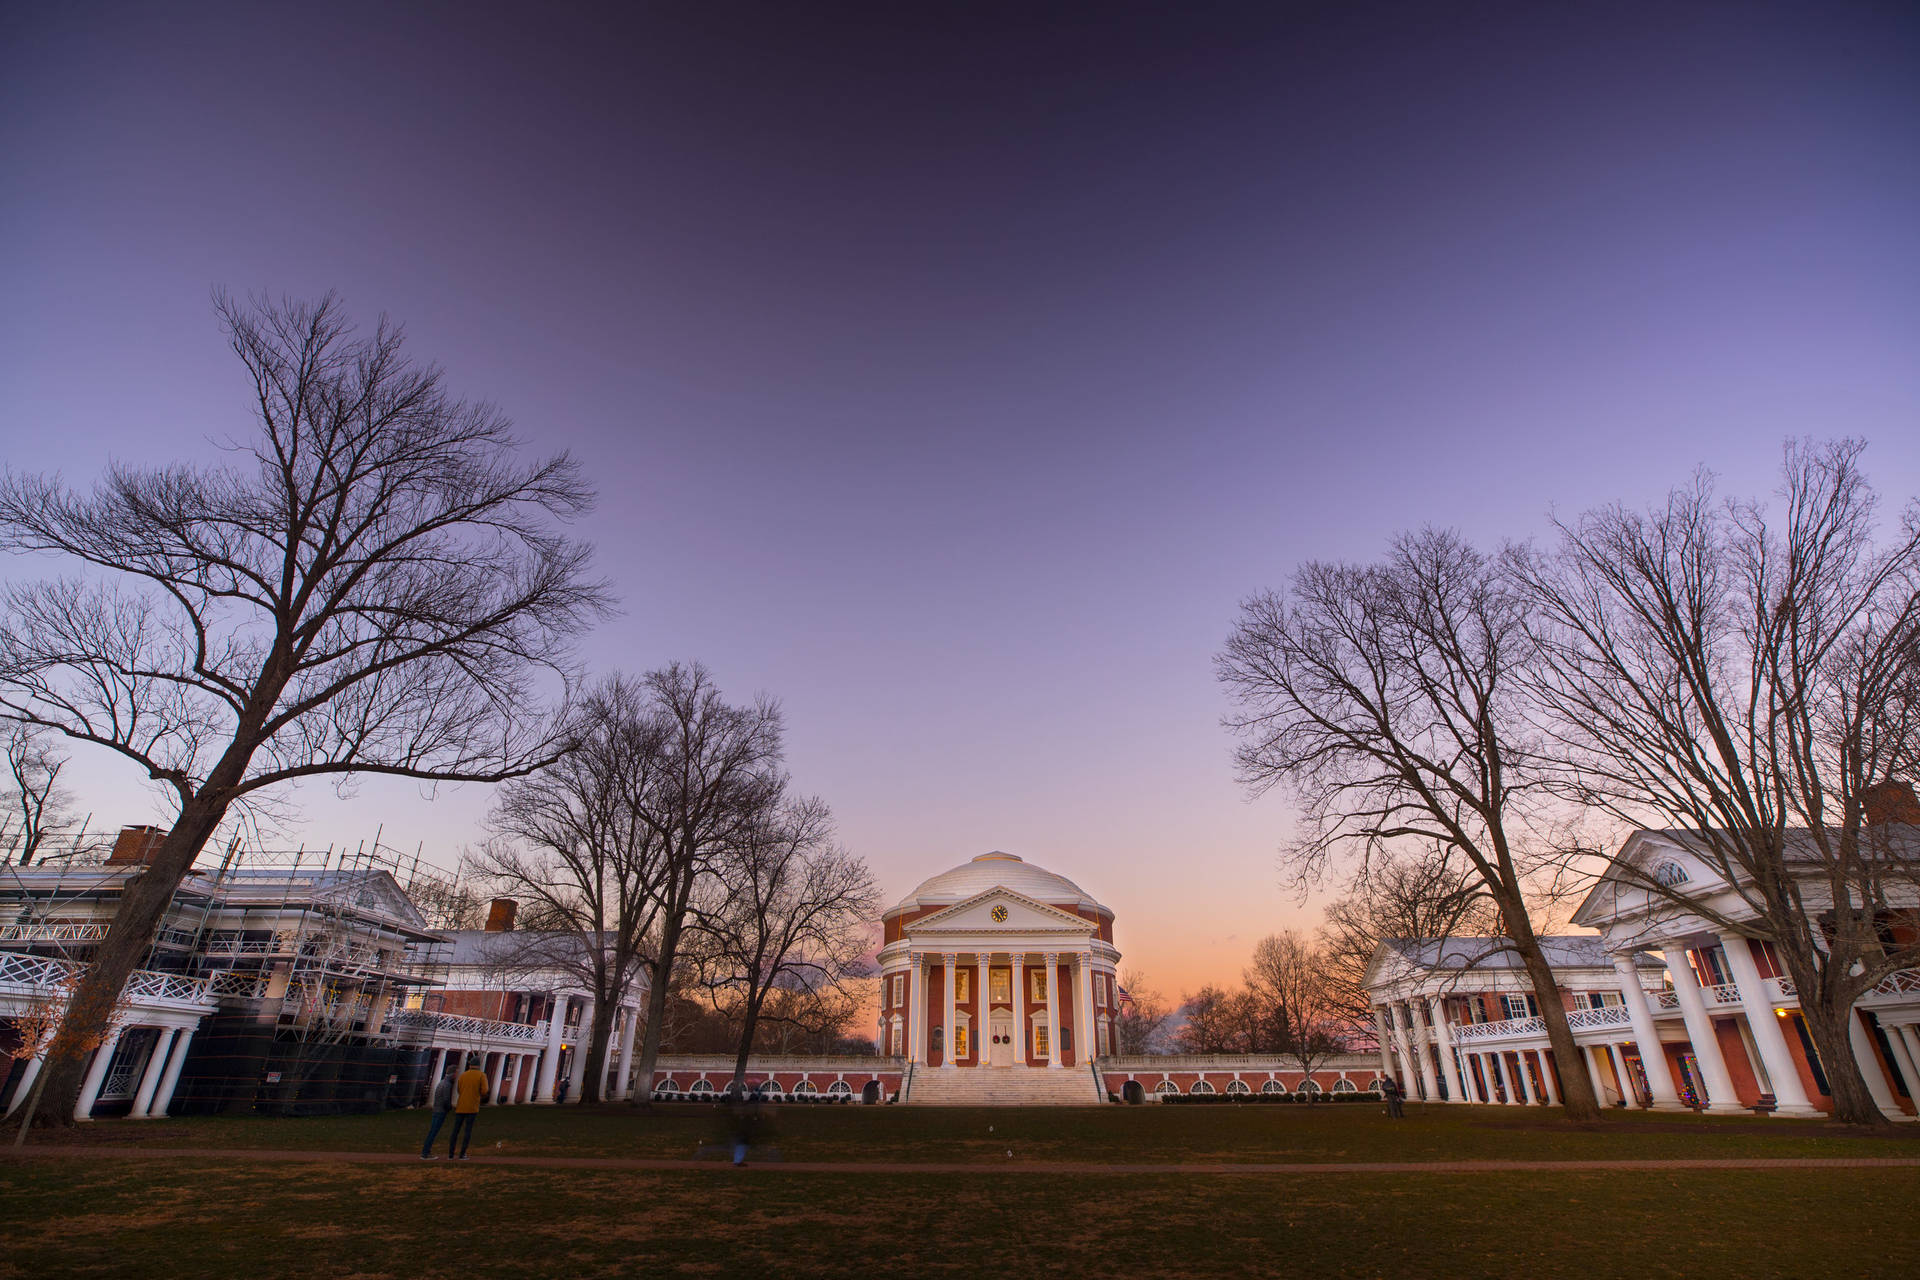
x,y
1343,1086
1166,1086
1037,983
962,985
1273,1086
1309,1086
1000,986
1201,1086
805,1086
1373,1085
1238,1086
702,1086
1604,999
1712,965
960,1041
899,990
771,1089
1520,1006
894,1039
1041,1049
839,1087
1670,874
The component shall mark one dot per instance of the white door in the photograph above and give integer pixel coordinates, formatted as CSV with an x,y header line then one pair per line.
x,y
1002,1045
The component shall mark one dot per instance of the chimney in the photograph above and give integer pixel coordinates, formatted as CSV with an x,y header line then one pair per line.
x,y
500,914
1890,801
134,845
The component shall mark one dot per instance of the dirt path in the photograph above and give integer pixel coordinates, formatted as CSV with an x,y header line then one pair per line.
x,y
225,1155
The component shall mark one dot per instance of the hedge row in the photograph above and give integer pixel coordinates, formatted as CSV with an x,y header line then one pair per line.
x,y
1257,1099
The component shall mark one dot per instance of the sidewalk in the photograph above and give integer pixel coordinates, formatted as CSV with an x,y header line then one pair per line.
x,y
263,1156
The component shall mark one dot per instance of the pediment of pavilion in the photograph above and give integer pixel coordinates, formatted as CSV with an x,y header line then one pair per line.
x,y
1022,915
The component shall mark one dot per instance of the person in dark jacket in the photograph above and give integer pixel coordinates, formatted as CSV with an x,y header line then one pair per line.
x,y
442,1102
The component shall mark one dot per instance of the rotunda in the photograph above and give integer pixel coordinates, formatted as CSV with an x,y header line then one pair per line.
x,y
998,964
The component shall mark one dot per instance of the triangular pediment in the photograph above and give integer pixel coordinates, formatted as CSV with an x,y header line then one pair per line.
x,y
1022,915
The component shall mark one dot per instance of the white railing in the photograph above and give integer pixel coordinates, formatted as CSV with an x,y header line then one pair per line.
x,y
1666,1002
420,1021
39,973
1779,990
1500,1030
1612,1015
1725,993
58,931
1899,982
242,985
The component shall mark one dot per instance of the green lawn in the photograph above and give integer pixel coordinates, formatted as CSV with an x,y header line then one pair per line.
x,y
191,1217
1125,1135
136,1219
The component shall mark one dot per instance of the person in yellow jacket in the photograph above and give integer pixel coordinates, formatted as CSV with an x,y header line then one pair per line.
x,y
469,1091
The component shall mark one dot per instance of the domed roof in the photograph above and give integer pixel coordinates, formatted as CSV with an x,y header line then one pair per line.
x,y
996,870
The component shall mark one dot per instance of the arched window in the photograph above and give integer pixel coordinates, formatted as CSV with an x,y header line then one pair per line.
x,y
1201,1086
1309,1085
1670,874
1238,1086
1274,1086
1373,1085
1166,1086
839,1087
771,1089
805,1086
702,1086
1343,1086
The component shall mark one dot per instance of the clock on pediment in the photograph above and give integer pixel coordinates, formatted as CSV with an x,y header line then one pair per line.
x,y
999,913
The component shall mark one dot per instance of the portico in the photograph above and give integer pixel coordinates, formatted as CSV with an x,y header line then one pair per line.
x,y
998,965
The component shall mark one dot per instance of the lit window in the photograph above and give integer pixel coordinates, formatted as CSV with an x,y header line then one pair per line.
x,y
1037,983
1040,1046
960,1042
1166,1086
805,1086
962,988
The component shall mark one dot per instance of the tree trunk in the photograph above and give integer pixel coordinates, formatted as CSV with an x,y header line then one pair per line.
x,y
1577,1095
657,976
750,1022
1852,1101
594,1065
143,903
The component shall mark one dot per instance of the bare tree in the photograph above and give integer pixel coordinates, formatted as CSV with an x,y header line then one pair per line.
x,y
711,771
1431,894
1143,1013
792,913
1387,698
569,840
372,586
36,803
1748,679
1291,974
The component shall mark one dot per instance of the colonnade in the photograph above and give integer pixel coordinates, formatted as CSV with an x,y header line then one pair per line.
x,y
982,963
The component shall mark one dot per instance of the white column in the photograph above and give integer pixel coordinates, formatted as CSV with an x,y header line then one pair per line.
x,y
1706,1046
1546,1078
96,1075
1428,1079
1443,1041
550,1058
1903,1059
150,1078
1789,1095
163,1097
1520,1075
1623,1075
1383,1032
950,963
917,1008
1861,1041
1601,1089
1082,1009
1470,1087
1019,1009
625,1083
578,1089
509,1080
1053,1009
436,1067
983,1008
1646,1038
1399,1015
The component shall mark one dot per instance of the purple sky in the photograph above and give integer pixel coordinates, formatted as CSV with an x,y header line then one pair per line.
x,y
952,379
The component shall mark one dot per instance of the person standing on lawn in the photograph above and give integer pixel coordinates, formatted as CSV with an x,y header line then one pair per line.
x,y
1396,1099
469,1091
442,1102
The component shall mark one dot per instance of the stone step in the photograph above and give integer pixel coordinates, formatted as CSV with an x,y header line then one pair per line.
x,y
1004,1087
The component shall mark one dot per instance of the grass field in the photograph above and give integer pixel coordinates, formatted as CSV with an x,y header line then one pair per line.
x,y
188,1216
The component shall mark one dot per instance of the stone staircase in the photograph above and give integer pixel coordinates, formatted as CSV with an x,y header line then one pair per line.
x,y
1004,1087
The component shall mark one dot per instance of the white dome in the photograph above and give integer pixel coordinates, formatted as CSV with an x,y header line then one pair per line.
x,y
996,870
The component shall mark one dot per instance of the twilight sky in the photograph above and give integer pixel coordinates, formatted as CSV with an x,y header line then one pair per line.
x,y
951,375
